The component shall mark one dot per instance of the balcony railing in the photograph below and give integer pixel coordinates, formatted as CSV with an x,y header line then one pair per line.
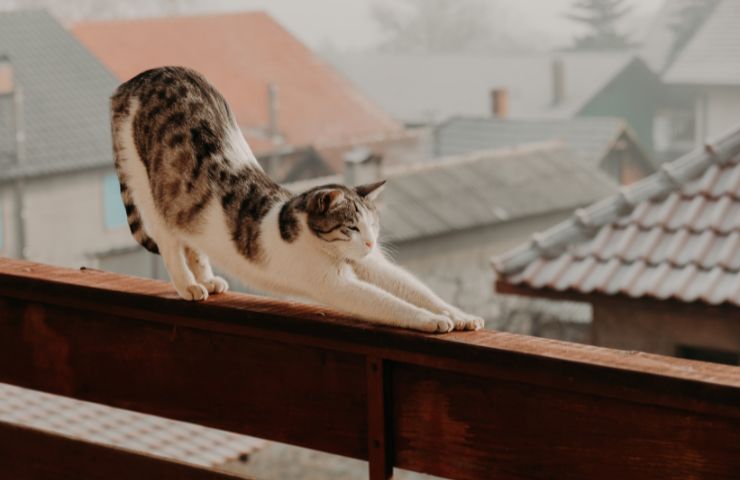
x,y
468,405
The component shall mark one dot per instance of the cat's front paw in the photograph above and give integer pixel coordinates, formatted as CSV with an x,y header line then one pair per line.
x,y
194,292
216,285
430,322
465,321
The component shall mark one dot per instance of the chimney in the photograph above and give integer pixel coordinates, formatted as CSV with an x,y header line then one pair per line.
x,y
361,166
500,102
558,81
6,76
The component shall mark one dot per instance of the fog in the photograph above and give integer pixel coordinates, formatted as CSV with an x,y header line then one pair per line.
x,y
346,25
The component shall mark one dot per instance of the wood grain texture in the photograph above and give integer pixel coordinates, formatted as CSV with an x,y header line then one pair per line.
x,y
252,386
29,454
380,450
464,405
467,427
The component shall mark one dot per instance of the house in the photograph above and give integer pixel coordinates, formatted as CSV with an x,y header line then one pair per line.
x,y
281,93
59,200
423,89
609,142
443,219
659,261
709,66
681,88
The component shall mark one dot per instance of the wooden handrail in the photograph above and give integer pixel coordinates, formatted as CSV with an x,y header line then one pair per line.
x,y
466,405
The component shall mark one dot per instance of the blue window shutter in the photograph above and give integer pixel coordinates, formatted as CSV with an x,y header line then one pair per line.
x,y
115,213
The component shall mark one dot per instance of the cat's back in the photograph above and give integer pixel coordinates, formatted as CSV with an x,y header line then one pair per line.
x,y
170,88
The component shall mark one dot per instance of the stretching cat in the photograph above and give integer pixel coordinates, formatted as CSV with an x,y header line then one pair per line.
x,y
194,191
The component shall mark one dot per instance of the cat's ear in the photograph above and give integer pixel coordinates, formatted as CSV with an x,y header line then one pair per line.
x,y
371,191
322,200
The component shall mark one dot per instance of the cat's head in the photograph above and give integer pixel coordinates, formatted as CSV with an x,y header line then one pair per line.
x,y
345,218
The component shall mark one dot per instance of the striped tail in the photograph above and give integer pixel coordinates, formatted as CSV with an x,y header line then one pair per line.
x,y
134,221
119,111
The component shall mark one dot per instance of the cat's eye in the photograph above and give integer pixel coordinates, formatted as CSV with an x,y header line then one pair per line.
x,y
354,228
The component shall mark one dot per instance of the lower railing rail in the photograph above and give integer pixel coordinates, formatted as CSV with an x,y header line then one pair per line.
x,y
473,405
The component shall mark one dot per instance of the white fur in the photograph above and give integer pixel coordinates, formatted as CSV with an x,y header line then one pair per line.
x,y
368,285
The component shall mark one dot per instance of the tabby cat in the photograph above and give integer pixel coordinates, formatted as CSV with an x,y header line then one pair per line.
x,y
194,192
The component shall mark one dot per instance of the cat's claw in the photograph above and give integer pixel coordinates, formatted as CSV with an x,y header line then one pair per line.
x,y
195,292
216,285
465,321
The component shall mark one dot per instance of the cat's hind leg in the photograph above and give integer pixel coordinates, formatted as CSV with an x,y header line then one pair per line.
x,y
172,250
201,267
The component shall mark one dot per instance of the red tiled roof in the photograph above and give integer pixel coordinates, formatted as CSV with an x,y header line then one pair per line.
x,y
675,234
241,53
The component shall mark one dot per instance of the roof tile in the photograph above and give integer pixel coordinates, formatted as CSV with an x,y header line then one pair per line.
x,y
679,239
316,104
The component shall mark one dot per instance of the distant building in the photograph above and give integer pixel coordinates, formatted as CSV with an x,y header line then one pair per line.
x,y
679,91
59,195
422,89
709,67
444,219
608,143
282,94
659,262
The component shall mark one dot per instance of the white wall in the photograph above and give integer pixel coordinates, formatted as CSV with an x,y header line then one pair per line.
x,y
722,110
64,220
458,265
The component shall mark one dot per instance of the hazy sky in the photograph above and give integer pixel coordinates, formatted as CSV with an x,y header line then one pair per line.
x,y
346,24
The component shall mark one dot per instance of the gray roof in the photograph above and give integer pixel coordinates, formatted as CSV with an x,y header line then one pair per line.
x,y
419,88
712,56
482,188
591,137
114,427
65,96
674,234
658,45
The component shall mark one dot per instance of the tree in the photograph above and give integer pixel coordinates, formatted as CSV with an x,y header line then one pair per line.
x,y
433,26
601,17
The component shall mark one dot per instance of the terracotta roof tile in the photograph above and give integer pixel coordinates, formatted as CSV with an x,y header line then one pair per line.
x,y
241,53
675,234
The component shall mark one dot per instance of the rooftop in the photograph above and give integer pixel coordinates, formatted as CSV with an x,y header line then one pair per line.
x,y
674,234
417,88
169,439
315,104
482,188
65,120
711,56
591,137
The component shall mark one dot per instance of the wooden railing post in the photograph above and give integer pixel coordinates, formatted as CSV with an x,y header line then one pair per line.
x,y
378,411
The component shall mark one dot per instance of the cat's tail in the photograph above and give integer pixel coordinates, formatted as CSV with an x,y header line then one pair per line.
x,y
134,221
119,110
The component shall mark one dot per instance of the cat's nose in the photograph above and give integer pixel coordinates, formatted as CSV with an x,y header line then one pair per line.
x,y
369,243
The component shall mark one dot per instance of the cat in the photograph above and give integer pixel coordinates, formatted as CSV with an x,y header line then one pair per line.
x,y
194,192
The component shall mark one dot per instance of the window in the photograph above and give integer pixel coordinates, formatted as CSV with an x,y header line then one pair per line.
x,y
674,130
708,355
115,213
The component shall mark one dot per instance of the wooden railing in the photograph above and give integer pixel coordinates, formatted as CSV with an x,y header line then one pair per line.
x,y
474,405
